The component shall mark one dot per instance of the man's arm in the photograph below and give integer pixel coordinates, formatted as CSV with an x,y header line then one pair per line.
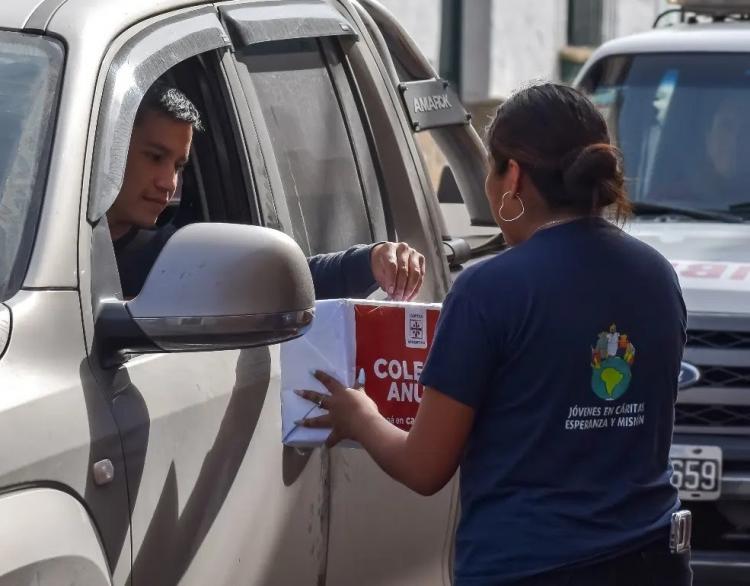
x,y
395,267
343,274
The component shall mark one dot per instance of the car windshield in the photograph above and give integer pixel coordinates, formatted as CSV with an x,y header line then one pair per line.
x,y
683,125
30,70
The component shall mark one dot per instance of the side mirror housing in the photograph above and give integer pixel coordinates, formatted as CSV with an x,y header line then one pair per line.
x,y
213,287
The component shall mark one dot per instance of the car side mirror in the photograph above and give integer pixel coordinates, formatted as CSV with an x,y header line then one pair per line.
x,y
213,287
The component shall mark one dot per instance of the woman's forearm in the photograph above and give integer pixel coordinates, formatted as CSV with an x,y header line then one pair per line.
x,y
391,449
424,459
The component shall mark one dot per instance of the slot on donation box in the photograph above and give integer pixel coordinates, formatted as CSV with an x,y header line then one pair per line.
x,y
379,343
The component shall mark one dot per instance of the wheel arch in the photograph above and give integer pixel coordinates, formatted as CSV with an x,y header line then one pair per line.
x,y
47,537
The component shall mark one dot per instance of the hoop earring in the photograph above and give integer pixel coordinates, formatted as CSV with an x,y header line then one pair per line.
x,y
502,203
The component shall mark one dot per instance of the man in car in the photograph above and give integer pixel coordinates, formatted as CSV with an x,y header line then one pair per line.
x,y
159,150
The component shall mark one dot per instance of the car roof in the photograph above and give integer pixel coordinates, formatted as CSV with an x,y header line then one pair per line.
x,y
13,15
729,37
36,15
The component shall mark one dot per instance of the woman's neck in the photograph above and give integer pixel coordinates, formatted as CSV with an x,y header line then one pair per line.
x,y
557,219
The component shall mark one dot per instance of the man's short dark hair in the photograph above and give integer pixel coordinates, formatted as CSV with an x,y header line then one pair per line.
x,y
167,100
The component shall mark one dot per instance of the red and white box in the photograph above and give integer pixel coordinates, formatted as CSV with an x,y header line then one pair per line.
x,y
382,344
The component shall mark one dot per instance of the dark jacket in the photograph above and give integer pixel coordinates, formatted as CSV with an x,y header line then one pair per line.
x,y
337,274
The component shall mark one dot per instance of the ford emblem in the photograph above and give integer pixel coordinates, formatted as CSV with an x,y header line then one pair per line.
x,y
689,376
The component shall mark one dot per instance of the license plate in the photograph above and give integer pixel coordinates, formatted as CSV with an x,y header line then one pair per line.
x,y
696,472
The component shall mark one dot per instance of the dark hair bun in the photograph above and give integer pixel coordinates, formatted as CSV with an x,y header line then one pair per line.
x,y
561,141
593,171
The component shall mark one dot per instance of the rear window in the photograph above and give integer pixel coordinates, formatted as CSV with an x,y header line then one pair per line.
x,y
30,70
683,124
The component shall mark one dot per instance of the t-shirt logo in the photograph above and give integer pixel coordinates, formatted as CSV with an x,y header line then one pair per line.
x,y
611,359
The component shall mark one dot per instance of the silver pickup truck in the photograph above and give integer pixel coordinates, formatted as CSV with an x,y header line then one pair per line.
x,y
676,99
140,440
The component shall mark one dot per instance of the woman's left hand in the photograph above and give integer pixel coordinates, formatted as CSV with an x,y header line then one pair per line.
x,y
348,409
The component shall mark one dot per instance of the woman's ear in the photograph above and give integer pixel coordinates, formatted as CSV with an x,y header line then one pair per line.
x,y
514,177
493,184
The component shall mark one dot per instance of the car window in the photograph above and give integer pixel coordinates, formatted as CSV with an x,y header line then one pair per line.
x,y
314,128
215,186
682,124
211,186
30,70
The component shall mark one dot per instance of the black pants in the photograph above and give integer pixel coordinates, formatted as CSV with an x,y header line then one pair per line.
x,y
652,565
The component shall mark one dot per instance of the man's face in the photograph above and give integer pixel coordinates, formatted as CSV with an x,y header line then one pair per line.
x,y
159,149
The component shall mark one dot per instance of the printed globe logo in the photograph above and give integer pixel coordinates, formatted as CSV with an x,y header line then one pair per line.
x,y
611,359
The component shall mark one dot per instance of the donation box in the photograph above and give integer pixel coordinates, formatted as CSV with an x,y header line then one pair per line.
x,y
382,345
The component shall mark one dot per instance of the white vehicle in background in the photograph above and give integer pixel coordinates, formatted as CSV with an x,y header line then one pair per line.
x,y
677,101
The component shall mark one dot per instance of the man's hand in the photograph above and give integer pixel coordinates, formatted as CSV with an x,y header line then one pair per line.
x,y
398,269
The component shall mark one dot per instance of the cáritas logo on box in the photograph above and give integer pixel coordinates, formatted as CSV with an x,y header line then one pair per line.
x,y
415,327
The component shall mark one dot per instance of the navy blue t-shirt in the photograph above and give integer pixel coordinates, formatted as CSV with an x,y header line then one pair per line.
x,y
569,347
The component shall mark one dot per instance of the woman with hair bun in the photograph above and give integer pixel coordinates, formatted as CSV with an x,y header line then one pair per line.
x,y
553,374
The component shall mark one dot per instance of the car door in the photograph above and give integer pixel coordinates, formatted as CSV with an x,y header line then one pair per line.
x,y
339,169
452,157
214,497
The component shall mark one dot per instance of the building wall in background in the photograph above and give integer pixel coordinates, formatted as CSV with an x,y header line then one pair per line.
x,y
508,43
630,16
421,18
478,33
526,39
